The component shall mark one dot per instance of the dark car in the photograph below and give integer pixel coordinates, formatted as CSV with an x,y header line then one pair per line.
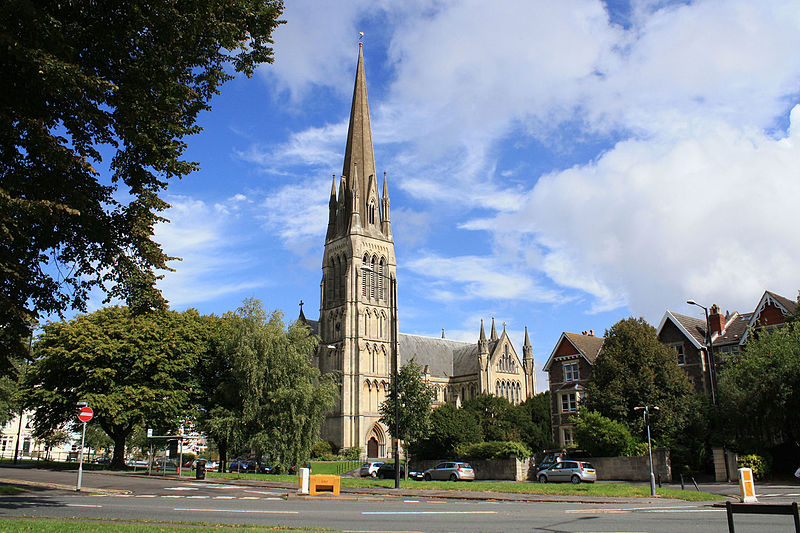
x,y
387,471
242,466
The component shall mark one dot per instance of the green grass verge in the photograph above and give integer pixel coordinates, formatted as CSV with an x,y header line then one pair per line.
x,y
620,490
6,490
62,525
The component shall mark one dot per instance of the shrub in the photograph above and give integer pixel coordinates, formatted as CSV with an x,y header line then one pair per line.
x,y
351,454
601,436
760,465
321,448
493,450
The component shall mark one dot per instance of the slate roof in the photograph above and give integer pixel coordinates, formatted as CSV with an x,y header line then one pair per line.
x,y
695,326
443,357
735,327
588,345
789,305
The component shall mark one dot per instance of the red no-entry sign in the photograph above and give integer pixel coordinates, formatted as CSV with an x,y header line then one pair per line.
x,y
85,414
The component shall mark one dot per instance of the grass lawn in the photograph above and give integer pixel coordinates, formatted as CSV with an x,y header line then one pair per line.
x,y
6,490
84,526
520,487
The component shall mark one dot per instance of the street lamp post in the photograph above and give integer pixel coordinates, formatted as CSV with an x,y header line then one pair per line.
x,y
395,377
712,367
646,415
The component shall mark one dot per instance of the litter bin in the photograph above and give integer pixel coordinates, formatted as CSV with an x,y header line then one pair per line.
x,y
200,469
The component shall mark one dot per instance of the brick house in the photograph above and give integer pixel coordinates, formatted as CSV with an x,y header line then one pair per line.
x,y
569,367
686,335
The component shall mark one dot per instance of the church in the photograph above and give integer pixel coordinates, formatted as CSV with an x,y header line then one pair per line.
x,y
357,326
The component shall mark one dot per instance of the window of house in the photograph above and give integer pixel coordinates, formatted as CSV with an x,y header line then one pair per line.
x,y
567,437
681,357
571,371
569,402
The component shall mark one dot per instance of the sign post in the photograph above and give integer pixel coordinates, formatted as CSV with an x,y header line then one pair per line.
x,y
84,415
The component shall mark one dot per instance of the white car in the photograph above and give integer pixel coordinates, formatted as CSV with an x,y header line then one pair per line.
x,y
370,469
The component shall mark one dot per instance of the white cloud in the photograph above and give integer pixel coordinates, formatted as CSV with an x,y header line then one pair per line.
x,y
204,238
477,277
709,217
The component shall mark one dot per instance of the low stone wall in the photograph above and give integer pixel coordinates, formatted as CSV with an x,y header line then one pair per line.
x,y
512,469
633,468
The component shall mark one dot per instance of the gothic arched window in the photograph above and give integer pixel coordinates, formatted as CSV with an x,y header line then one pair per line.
x,y
373,278
371,212
366,277
381,275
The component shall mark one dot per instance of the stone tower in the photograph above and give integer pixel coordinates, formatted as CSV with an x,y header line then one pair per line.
x,y
358,310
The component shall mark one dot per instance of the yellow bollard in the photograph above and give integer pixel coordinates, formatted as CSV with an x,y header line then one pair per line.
x,y
747,486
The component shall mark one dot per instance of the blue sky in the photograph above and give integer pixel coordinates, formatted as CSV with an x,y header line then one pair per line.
x,y
556,165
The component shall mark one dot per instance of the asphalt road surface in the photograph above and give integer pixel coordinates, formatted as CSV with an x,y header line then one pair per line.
x,y
183,500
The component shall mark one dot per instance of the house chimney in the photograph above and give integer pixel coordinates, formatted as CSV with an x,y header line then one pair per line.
x,y
716,320
591,333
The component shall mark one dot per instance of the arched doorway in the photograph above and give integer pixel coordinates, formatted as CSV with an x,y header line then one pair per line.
x,y
376,442
372,448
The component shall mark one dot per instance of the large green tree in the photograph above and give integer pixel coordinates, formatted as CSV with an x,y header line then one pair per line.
x,y
132,370
494,414
760,390
635,369
271,399
531,422
96,100
414,404
449,427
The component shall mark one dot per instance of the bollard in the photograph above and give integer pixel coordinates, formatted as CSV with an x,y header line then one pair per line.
x,y
304,474
747,487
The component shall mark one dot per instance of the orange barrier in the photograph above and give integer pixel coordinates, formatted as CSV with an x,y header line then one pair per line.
x,y
323,483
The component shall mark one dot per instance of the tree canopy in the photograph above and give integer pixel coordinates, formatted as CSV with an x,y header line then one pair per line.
x,y
96,99
414,410
132,370
760,389
635,369
261,392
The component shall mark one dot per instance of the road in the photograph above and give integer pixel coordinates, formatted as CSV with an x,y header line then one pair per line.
x,y
183,500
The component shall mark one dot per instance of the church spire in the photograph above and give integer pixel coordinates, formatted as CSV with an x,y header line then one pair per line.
x,y
358,151
493,336
386,225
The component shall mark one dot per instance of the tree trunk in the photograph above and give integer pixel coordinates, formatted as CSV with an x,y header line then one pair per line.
x,y
118,459
223,456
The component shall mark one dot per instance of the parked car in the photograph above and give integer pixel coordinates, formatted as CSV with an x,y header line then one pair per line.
x,y
370,469
242,466
416,475
101,460
451,470
574,471
137,463
387,471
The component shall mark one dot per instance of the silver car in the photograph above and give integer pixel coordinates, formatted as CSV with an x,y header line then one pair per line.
x,y
370,469
573,471
450,470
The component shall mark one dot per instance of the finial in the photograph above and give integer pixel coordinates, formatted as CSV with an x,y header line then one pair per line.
x,y
443,333
360,38
301,305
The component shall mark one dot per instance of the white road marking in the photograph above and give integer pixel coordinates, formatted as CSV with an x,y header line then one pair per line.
x,y
174,496
410,501
82,505
145,495
224,497
249,498
261,492
237,511
197,497
180,488
795,494
644,510
425,512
